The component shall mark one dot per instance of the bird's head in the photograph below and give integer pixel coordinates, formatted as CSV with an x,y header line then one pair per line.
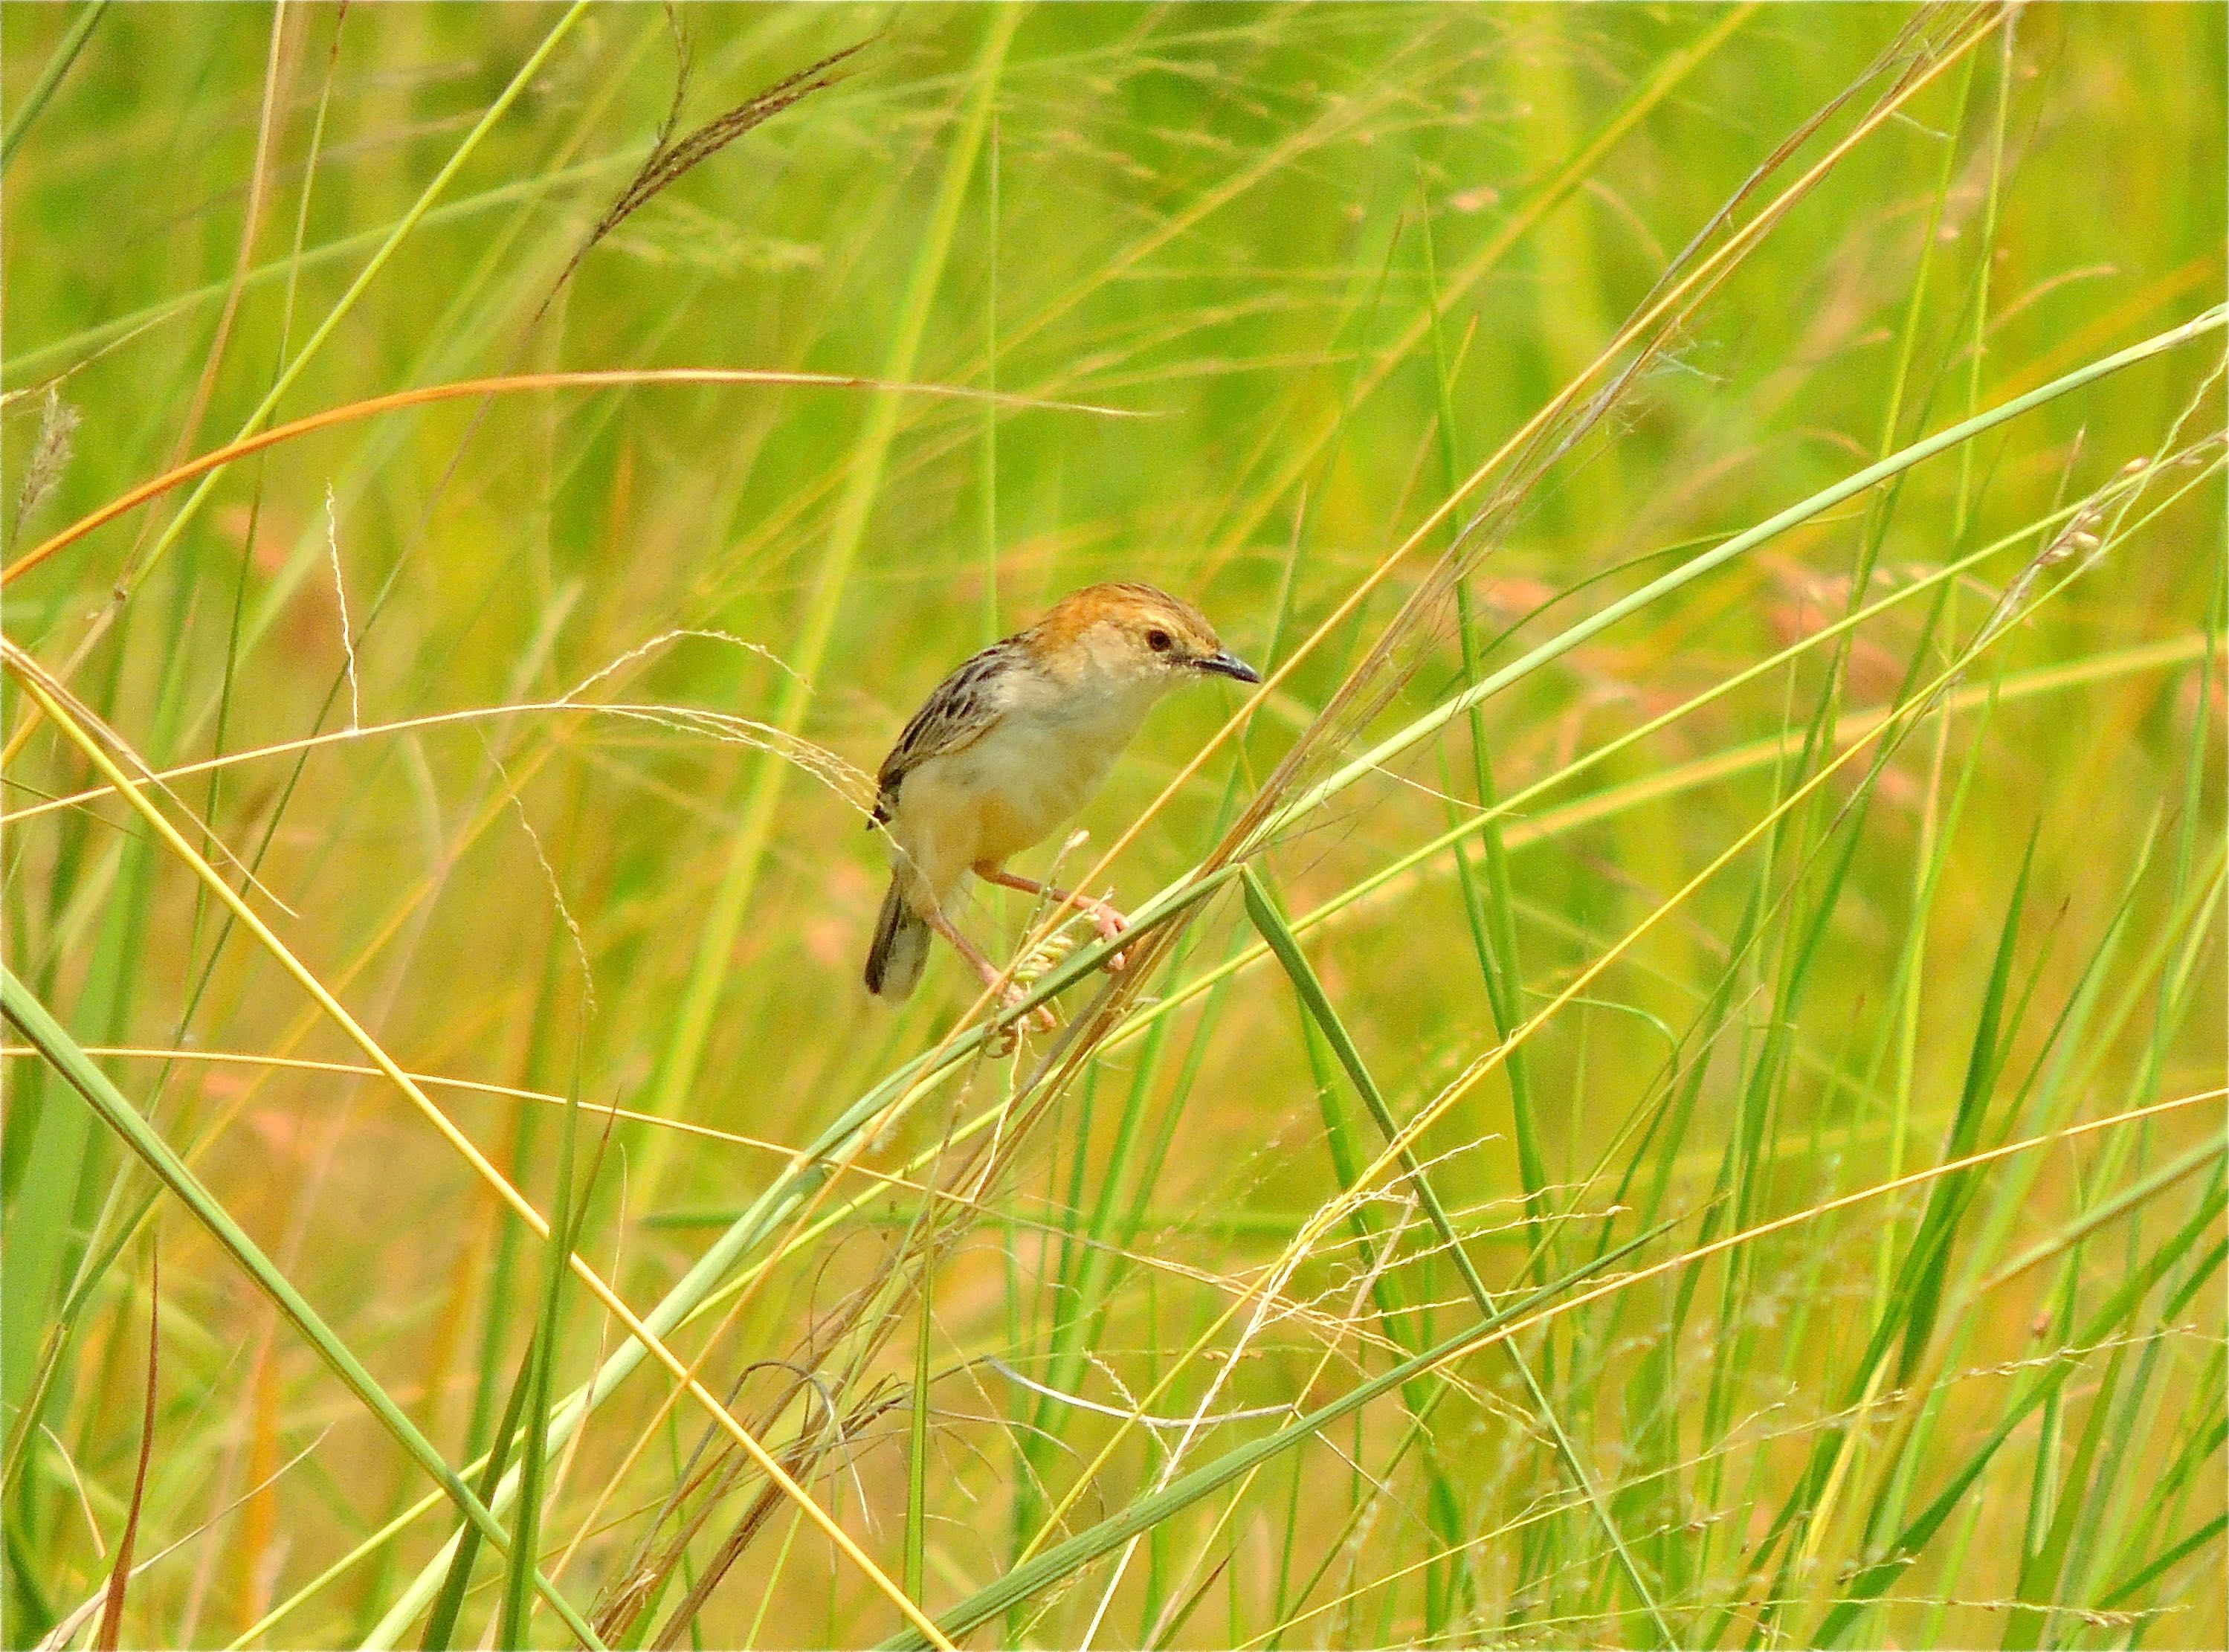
x,y
1133,636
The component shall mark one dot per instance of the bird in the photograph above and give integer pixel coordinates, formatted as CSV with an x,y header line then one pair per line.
x,y
1010,745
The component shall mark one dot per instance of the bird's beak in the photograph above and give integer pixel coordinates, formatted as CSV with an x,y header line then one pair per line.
x,y
1227,663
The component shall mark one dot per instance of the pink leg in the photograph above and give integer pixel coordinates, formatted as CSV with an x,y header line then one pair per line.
x,y
1109,922
1043,1015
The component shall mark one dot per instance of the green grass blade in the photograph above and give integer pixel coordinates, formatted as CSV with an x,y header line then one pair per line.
x,y
1930,1244
692,1020
50,77
32,1020
138,574
2165,1561
1380,755
441,1622
1263,908
1064,1559
1494,928
2116,1310
512,1621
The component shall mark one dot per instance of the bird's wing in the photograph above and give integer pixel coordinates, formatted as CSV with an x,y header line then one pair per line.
x,y
959,711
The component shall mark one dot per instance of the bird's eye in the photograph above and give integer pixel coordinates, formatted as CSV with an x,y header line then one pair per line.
x,y
1158,640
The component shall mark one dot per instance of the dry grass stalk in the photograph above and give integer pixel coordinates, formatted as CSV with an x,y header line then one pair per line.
x,y
48,460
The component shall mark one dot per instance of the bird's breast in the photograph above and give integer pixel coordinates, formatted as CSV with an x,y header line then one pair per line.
x,y
1032,770
1028,776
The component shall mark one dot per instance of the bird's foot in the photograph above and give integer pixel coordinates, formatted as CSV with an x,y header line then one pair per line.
x,y
1109,923
1104,918
1041,1019
1012,995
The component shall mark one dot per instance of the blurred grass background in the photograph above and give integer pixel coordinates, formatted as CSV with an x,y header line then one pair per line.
x,y
1334,256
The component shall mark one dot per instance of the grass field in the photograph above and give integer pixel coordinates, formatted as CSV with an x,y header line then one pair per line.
x,y
1670,1085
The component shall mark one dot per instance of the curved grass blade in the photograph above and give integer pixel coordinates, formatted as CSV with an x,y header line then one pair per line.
x,y
206,465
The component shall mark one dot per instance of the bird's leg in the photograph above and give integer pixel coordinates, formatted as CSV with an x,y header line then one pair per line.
x,y
981,963
1109,922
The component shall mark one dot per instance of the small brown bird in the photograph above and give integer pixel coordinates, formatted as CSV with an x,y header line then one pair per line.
x,y
1011,744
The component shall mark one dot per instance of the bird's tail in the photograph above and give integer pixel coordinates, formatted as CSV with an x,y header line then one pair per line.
x,y
901,948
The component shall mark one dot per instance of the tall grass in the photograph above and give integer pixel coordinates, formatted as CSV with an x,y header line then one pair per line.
x,y
1669,1085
